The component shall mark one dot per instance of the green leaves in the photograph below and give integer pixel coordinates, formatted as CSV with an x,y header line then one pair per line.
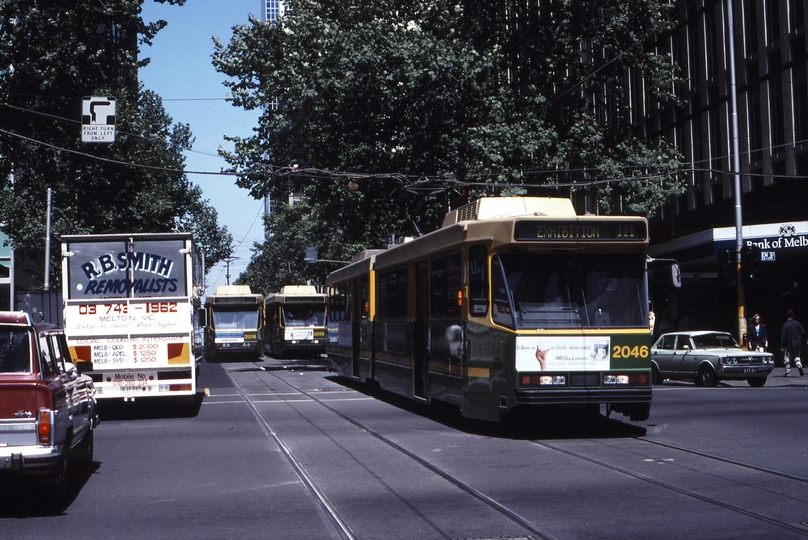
x,y
468,95
56,56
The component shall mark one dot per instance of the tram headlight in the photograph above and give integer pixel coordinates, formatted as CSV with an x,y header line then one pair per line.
x,y
639,378
535,379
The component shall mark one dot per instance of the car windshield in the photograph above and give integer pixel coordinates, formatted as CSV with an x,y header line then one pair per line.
x,y
15,353
715,341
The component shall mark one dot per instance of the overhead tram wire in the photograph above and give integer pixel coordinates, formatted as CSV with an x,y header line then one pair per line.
x,y
412,183
243,239
400,176
406,180
77,122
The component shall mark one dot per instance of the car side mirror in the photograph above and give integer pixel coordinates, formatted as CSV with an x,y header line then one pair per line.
x,y
72,371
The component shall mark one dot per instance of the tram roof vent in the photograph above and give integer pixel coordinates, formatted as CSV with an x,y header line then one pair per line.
x,y
368,253
298,289
397,241
502,207
233,290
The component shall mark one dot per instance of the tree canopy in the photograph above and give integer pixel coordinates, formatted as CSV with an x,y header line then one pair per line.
x,y
56,55
385,114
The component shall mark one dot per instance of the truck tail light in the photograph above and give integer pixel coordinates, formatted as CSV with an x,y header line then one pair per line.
x,y
45,426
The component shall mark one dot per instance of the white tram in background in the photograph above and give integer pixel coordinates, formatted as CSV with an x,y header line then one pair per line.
x,y
513,303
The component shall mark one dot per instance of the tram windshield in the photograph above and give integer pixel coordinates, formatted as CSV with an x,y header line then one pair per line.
x,y
569,291
236,320
304,315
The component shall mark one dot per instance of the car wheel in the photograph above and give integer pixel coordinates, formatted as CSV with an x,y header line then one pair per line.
x,y
706,377
85,451
757,382
57,490
656,378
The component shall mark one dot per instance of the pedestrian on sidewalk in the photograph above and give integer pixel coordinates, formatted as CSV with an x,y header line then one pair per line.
x,y
757,335
790,342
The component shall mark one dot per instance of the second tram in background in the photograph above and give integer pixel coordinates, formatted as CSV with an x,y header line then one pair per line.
x,y
514,303
295,321
233,320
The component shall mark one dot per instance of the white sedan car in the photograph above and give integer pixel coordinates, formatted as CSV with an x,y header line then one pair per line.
x,y
707,357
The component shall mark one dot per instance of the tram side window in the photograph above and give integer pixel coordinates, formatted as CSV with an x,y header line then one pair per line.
x,y
437,286
502,312
400,309
338,303
478,281
364,297
383,293
392,295
453,298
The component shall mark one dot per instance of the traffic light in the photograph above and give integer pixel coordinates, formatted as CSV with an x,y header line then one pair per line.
x,y
750,263
726,266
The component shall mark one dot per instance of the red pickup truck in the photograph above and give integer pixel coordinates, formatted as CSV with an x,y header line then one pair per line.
x,y
47,409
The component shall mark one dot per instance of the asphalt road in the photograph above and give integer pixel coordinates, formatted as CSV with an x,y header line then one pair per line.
x,y
285,450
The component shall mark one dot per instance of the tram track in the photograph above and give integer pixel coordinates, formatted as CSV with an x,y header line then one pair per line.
x,y
339,524
800,529
342,528
729,461
559,446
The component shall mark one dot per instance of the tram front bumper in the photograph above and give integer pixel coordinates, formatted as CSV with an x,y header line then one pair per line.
x,y
582,396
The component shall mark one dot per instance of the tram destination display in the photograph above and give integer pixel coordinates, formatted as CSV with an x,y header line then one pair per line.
x,y
589,231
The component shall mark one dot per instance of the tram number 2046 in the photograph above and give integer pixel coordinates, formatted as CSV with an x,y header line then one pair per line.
x,y
625,351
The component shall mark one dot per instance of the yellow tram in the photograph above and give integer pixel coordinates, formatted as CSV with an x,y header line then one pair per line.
x,y
295,321
513,303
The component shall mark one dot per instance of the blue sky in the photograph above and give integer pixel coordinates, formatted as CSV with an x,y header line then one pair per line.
x,y
182,74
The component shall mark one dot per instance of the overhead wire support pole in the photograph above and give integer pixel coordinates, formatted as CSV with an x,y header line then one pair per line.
x,y
46,282
736,169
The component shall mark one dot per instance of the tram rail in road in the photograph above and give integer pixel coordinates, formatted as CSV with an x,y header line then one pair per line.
x,y
339,524
649,465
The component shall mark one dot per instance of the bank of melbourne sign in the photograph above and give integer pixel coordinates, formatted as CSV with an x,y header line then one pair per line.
x,y
775,240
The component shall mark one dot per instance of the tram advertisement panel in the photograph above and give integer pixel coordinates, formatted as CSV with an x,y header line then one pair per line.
x,y
567,353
